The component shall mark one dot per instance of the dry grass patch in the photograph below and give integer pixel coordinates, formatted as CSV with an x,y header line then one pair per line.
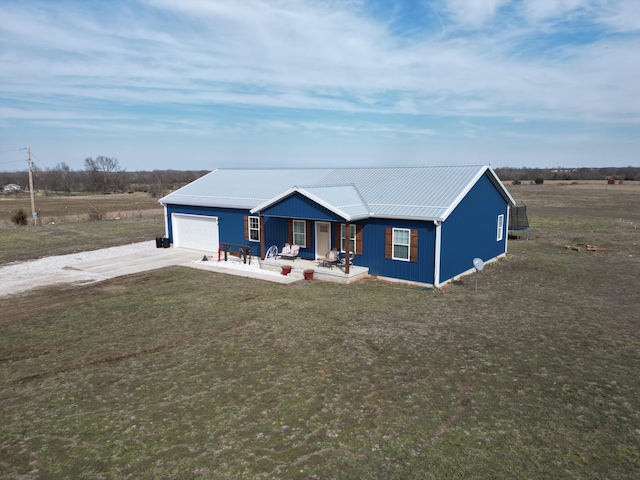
x,y
63,208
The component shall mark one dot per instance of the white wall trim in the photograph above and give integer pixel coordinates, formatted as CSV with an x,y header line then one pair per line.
x,y
436,259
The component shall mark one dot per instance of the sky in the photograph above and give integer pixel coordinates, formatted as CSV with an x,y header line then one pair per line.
x,y
205,84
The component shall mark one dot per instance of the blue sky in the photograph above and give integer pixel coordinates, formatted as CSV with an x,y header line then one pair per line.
x,y
198,84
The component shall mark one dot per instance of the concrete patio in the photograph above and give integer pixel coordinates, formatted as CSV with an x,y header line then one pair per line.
x,y
333,273
165,257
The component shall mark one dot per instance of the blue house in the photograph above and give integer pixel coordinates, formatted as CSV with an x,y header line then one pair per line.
x,y
415,224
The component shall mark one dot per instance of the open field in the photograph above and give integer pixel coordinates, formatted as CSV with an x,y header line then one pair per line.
x,y
75,208
181,373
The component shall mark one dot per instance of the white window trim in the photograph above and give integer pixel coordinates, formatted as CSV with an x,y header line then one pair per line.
x,y
500,233
304,232
393,244
254,229
352,228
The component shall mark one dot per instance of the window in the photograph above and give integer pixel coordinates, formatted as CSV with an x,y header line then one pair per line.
x,y
401,239
352,238
500,227
401,244
300,232
254,228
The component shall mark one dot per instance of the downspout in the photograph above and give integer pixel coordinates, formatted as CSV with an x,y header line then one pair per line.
x,y
166,222
436,260
506,227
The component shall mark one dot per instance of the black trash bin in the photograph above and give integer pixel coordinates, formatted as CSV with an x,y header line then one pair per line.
x,y
158,242
165,243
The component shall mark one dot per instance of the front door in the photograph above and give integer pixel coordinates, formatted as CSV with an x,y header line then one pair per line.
x,y
323,238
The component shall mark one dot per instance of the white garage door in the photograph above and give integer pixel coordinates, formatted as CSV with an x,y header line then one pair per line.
x,y
195,231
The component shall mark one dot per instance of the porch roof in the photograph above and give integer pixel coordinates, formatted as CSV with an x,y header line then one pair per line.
x,y
343,200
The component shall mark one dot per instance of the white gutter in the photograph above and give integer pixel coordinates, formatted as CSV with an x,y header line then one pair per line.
x,y
436,264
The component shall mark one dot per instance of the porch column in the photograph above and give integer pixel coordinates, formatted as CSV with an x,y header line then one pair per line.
x,y
347,242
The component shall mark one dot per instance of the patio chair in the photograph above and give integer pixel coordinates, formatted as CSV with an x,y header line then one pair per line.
x,y
343,258
330,259
272,252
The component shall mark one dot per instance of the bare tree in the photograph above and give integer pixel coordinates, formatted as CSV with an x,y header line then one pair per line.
x,y
62,176
103,173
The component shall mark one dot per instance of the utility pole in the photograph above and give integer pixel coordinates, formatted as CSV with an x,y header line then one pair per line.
x,y
33,203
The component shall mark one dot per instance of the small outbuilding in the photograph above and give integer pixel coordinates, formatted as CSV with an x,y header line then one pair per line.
x,y
415,224
12,188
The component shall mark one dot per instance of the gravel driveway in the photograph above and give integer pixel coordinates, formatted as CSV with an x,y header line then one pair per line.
x,y
94,266
23,276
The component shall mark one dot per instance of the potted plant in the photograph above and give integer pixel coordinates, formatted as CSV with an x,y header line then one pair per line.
x,y
286,269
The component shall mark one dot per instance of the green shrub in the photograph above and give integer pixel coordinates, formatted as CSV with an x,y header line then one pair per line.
x,y
539,181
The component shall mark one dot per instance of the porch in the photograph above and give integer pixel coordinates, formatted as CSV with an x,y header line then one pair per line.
x,y
333,273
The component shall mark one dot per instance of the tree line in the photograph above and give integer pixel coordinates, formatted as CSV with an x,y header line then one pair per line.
x,y
104,175
559,173
101,175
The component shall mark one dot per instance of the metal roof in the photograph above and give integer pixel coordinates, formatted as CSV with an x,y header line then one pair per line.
x,y
426,193
345,198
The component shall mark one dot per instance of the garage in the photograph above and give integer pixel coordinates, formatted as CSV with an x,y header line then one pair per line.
x,y
196,232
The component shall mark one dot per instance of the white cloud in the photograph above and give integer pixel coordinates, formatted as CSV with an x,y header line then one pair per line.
x,y
305,56
623,15
537,10
474,12
194,58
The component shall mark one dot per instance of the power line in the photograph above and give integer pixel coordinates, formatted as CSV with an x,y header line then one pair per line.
x,y
12,151
39,161
12,161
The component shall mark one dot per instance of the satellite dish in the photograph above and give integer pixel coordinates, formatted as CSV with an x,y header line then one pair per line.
x,y
478,264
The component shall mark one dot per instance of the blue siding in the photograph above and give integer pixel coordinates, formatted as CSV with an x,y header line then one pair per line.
x,y
373,250
276,232
470,231
230,223
300,207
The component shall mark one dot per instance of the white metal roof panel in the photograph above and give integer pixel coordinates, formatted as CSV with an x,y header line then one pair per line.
x,y
241,188
430,192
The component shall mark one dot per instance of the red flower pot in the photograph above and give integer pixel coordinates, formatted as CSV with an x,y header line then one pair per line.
x,y
286,269
308,274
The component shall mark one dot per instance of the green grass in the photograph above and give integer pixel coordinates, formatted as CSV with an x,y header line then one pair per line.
x,y
182,373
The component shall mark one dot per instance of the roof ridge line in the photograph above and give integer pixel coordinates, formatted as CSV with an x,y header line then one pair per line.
x,y
370,167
